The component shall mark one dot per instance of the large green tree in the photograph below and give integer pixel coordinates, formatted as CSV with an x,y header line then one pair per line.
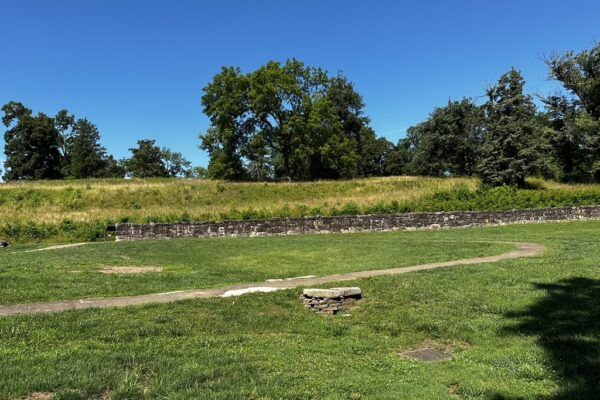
x,y
86,158
448,142
225,102
146,160
514,147
566,132
398,158
280,103
150,161
580,75
575,117
42,147
327,152
32,144
175,164
283,121
375,154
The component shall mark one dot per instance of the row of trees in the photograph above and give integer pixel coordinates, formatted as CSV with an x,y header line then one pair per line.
x,y
292,121
43,147
296,122
507,138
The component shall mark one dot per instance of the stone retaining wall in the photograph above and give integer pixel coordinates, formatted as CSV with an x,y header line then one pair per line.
x,y
358,223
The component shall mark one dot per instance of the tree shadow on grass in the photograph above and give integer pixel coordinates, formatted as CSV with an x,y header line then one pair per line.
x,y
566,322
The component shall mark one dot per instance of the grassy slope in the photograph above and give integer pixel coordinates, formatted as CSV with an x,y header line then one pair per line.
x,y
520,329
80,210
140,200
191,264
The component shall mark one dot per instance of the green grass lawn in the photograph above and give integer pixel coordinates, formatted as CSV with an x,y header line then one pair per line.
x,y
520,329
192,264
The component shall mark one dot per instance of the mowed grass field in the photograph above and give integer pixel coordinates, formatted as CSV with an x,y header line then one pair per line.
x,y
80,210
193,264
519,329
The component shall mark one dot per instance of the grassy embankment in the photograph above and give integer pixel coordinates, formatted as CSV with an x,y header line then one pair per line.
x,y
79,210
519,329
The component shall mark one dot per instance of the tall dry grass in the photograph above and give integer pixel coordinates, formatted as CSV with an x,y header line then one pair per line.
x,y
51,202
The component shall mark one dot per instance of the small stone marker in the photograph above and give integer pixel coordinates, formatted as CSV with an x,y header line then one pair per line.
x,y
330,301
427,354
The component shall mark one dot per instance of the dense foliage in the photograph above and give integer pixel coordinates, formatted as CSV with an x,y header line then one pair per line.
x,y
574,117
42,147
32,144
512,149
291,121
449,142
294,121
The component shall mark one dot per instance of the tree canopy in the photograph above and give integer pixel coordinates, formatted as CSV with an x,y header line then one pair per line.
x,y
32,144
150,161
449,142
286,121
293,121
574,116
513,146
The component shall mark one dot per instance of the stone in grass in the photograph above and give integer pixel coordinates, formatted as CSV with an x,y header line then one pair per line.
x,y
333,292
427,354
3,244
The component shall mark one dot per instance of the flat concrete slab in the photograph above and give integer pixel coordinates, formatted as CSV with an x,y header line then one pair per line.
x,y
332,293
348,291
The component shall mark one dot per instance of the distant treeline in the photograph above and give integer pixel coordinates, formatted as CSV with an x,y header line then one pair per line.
x,y
295,122
43,147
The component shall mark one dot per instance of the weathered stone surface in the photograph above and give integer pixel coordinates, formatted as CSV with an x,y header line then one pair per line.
x,y
345,224
428,354
330,301
323,293
348,291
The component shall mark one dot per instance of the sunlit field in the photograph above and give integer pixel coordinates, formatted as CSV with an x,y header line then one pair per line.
x,y
517,329
139,200
81,209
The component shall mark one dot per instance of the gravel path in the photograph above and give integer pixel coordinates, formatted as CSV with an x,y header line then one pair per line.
x,y
522,250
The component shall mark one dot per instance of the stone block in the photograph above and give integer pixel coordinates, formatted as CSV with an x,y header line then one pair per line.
x,y
349,291
322,293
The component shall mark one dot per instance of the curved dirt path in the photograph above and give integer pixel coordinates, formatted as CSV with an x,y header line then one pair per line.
x,y
55,247
522,250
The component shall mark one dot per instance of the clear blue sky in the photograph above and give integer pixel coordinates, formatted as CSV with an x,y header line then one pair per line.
x,y
137,68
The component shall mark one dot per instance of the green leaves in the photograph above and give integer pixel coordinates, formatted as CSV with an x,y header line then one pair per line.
x,y
31,144
448,143
41,147
146,160
513,148
283,120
